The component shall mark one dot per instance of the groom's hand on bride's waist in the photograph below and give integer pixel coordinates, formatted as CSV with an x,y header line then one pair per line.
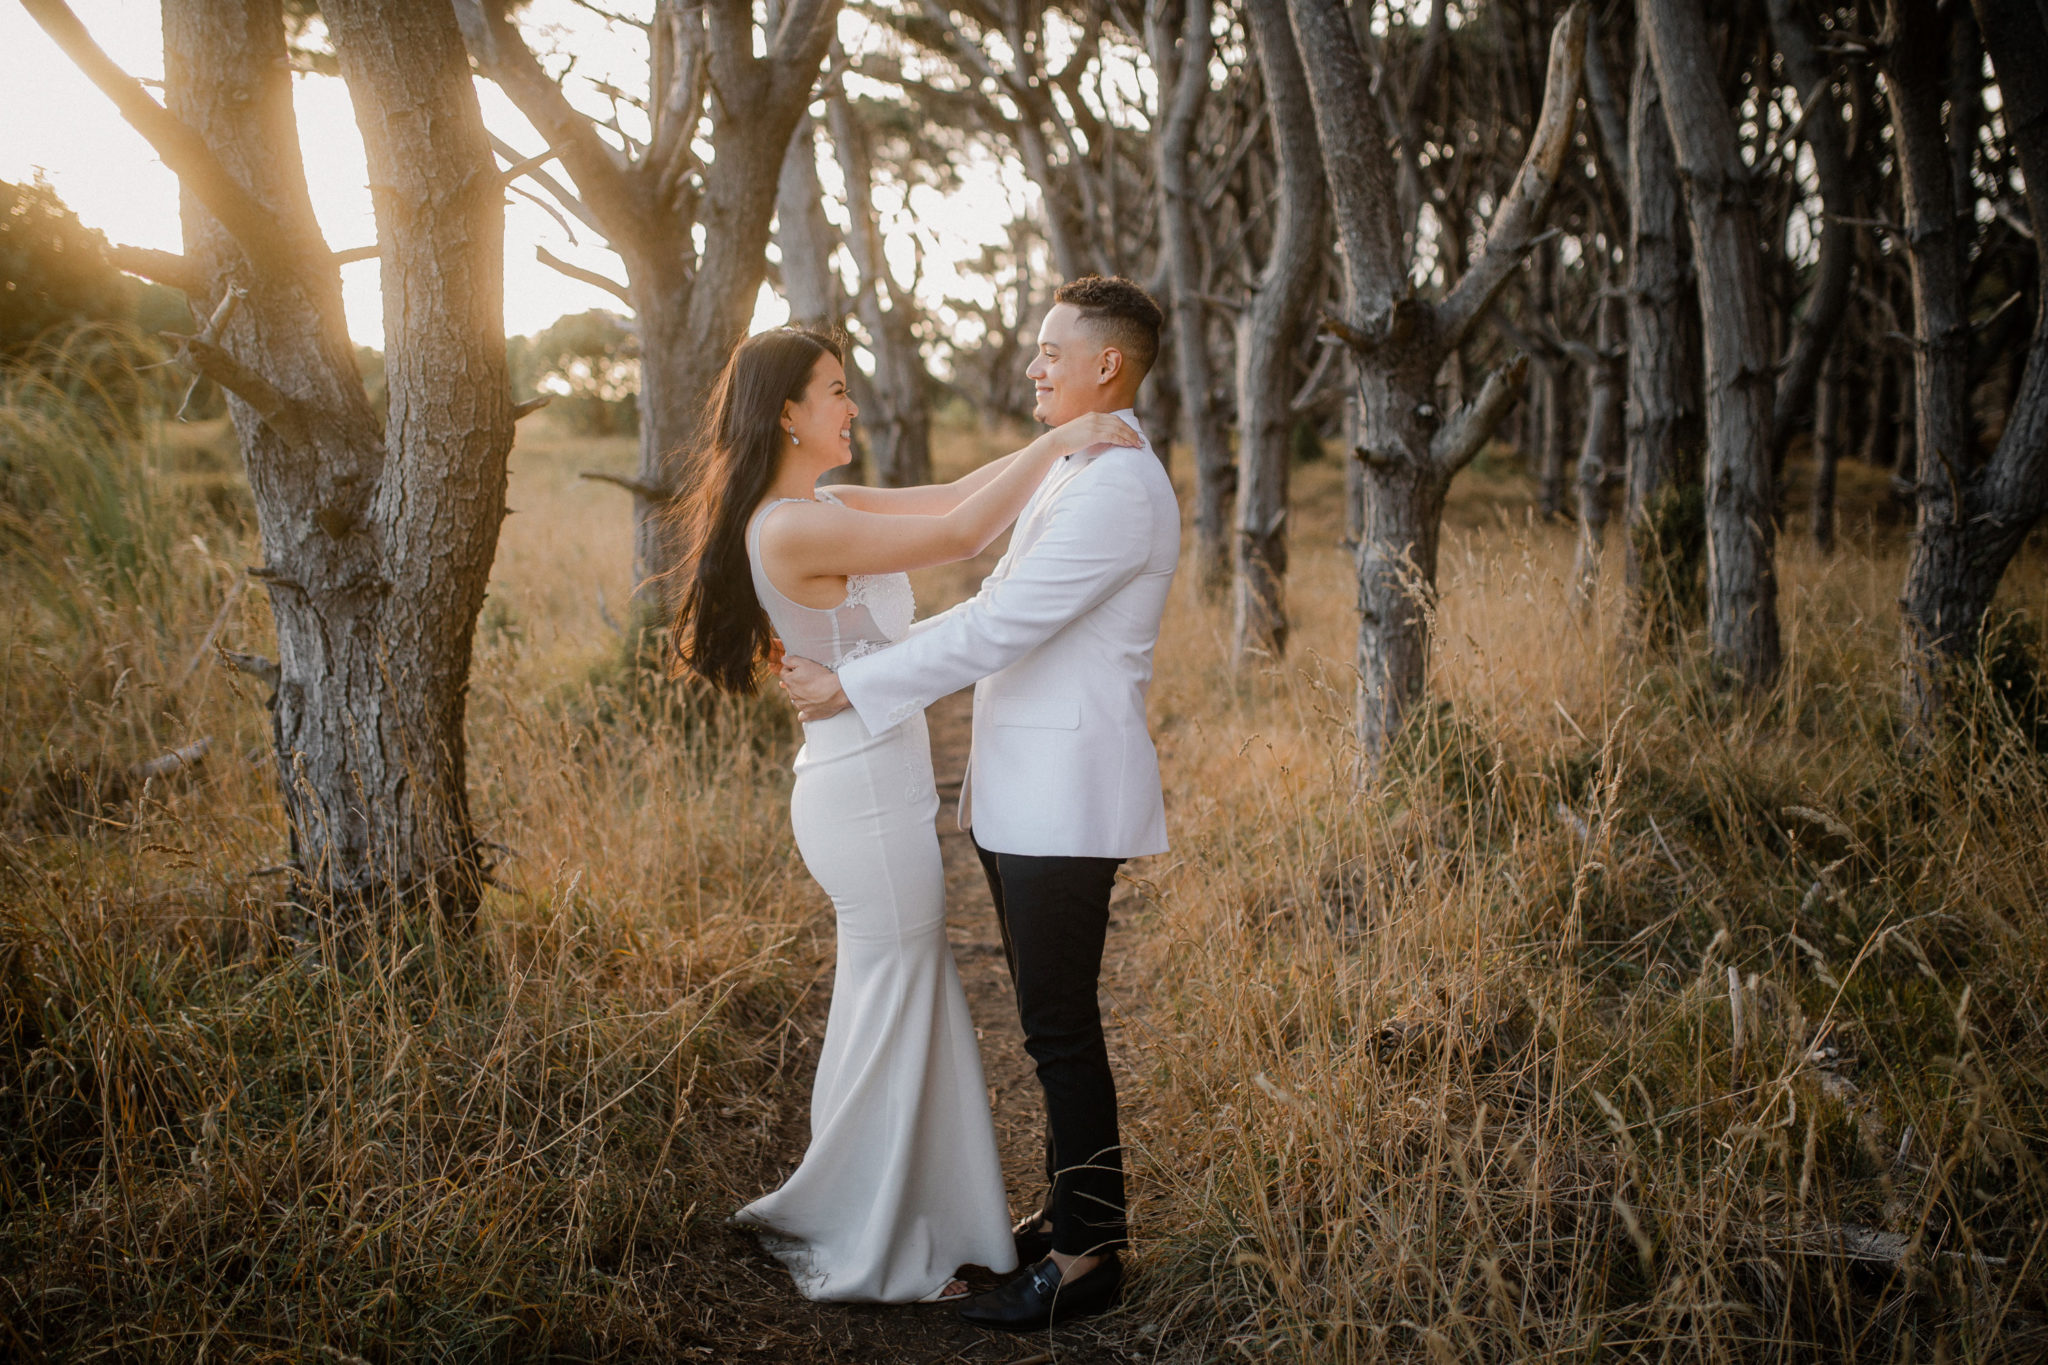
x,y
813,689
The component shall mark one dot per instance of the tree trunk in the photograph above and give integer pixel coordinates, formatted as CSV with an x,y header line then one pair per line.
x,y
816,298
1397,552
1972,518
1354,476
377,540
1180,54
1266,335
1742,590
1553,383
1656,280
899,424
1158,405
1399,342
1599,455
1881,424
806,238
1828,438
1813,333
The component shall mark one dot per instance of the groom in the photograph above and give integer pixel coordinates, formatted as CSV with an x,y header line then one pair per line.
x,y
1063,783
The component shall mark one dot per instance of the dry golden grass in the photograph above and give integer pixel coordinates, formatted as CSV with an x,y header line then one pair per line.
x,y
1442,1068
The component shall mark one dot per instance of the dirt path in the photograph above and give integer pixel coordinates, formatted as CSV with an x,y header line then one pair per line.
x,y
750,1299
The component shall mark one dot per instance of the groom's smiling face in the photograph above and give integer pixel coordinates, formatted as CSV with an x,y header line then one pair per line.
x,y
1073,370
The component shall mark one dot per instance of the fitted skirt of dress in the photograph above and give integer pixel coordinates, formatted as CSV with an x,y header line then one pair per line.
x,y
901,1184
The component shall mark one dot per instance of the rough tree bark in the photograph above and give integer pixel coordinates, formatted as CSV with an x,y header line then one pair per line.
x,y
1656,282
1828,435
1742,589
691,305
806,237
1827,298
1606,365
1973,515
1267,330
1181,45
1399,342
1553,387
816,298
897,419
377,528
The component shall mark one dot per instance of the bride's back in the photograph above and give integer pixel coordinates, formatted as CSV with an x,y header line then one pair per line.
x,y
875,613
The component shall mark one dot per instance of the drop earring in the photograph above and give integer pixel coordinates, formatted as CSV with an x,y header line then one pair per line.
x,y
792,437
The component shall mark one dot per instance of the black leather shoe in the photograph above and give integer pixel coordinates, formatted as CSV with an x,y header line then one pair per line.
x,y
1037,1299
1033,1238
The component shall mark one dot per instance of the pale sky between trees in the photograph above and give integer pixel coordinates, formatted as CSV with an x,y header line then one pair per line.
x,y
53,120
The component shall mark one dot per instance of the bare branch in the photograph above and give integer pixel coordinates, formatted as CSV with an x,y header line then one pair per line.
x,y
1305,397
1517,222
651,492
970,51
278,412
1356,153
612,16
598,168
1345,332
357,253
230,299
530,406
1394,327
577,272
1459,439
255,665
2011,218
798,35
562,194
177,760
524,164
165,267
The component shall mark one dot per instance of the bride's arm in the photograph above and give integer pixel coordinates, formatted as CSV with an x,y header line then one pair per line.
x,y
929,499
820,540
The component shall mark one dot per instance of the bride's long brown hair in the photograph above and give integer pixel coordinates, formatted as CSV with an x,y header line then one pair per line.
x,y
721,631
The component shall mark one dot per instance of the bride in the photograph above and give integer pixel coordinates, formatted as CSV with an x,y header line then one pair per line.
x,y
901,1184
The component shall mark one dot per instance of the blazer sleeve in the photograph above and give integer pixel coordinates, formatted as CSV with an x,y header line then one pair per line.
x,y
1096,539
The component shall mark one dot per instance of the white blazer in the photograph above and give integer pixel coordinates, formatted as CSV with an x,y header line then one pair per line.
x,y
1058,643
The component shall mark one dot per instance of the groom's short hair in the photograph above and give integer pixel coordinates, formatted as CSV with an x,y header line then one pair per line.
x,y
1124,315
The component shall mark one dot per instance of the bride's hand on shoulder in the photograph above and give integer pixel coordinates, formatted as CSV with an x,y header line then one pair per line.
x,y
1091,429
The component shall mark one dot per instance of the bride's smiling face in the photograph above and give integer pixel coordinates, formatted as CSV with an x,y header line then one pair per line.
x,y
821,422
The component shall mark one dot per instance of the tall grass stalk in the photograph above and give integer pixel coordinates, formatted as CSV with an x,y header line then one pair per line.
x,y
1616,1016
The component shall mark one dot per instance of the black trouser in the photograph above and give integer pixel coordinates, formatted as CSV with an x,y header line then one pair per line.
x,y
1054,914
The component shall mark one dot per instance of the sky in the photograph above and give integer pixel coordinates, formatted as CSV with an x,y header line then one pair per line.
x,y
53,121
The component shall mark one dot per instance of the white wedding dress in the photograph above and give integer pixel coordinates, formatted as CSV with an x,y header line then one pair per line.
x,y
901,1184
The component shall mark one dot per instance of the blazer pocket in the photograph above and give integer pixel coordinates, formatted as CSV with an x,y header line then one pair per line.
x,y
1037,713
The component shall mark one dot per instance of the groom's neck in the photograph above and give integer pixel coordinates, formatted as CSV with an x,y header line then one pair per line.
x,y
1114,400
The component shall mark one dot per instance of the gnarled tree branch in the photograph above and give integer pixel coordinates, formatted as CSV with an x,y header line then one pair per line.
x,y
1520,216
1459,439
165,267
577,272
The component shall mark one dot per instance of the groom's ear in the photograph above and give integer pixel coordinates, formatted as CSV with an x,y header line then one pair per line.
x,y
1109,365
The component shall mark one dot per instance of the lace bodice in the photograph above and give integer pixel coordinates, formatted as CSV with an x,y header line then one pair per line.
x,y
875,614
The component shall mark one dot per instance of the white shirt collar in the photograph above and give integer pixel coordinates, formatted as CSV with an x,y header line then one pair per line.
x,y
1129,415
